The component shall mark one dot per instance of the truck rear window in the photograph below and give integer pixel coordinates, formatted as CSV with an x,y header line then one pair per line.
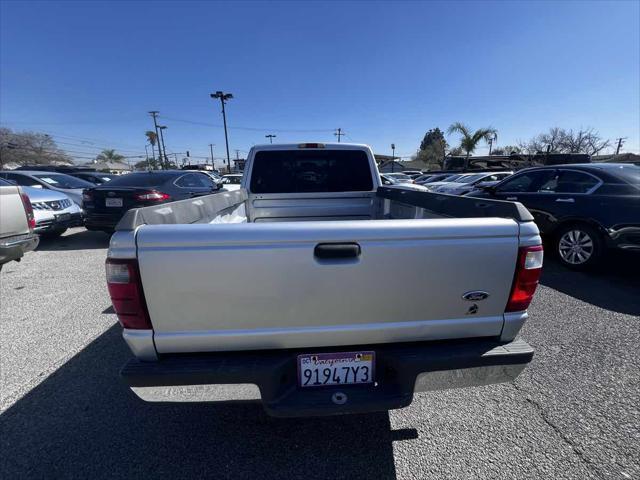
x,y
290,171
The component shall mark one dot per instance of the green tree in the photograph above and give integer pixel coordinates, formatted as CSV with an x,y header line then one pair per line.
x,y
110,156
470,140
433,147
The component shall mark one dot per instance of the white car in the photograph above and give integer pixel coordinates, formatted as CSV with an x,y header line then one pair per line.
x,y
399,177
231,181
467,182
53,211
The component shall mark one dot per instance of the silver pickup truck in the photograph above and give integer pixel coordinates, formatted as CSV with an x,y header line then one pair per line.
x,y
17,223
329,292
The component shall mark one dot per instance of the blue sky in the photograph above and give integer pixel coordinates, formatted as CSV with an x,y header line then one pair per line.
x,y
88,72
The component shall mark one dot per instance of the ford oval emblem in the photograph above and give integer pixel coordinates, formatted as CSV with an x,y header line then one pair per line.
x,y
475,296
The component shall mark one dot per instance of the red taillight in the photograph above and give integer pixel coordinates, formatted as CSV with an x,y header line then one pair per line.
x,y
152,195
87,196
526,278
311,145
28,209
125,290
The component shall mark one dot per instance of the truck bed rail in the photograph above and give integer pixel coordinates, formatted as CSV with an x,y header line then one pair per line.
x,y
193,210
456,207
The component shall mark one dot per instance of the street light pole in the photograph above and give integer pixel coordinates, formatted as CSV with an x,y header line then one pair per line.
x,y
393,157
211,145
223,99
270,137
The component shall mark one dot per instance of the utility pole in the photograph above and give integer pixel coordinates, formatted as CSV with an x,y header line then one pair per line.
x,y
154,114
620,143
338,133
164,149
270,137
147,152
223,99
211,145
393,157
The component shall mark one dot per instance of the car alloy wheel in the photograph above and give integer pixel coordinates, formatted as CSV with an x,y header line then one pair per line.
x,y
576,247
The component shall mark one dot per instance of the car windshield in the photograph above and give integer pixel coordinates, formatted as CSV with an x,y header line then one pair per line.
x,y
471,178
106,178
451,178
59,180
234,179
142,179
399,176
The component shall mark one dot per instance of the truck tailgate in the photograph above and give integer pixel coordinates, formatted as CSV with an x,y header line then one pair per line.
x,y
256,286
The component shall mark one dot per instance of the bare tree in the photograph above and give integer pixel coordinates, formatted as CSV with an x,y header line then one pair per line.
x,y
559,140
29,148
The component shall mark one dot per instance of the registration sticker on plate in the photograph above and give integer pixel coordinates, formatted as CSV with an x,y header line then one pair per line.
x,y
113,202
340,368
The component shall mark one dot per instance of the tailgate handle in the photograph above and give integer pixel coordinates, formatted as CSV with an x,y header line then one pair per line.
x,y
332,251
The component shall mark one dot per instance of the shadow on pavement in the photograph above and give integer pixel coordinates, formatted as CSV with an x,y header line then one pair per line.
x,y
75,239
82,422
614,285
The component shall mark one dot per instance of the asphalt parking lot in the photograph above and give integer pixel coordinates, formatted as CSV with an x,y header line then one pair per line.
x,y
574,413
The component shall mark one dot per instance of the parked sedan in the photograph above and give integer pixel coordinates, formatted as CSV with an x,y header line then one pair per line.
x,y
106,204
97,178
70,186
581,208
467,183
54,212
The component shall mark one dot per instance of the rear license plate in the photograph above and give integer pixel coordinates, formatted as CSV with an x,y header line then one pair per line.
x,y
63,217
340,368
113,202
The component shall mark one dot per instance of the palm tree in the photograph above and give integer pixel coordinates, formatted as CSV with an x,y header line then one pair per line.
x,y
152,138
470,140
110,156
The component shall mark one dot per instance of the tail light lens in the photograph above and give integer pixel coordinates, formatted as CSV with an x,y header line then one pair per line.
x,y
127,297
28,209
526,278
152,195
87,196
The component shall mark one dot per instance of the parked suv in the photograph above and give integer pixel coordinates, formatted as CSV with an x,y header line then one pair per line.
x,y
582,208
60,182
54,212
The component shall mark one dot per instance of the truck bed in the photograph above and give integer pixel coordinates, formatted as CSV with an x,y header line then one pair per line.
x,y
235,271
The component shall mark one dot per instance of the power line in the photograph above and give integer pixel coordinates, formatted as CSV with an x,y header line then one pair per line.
x,y
252,129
